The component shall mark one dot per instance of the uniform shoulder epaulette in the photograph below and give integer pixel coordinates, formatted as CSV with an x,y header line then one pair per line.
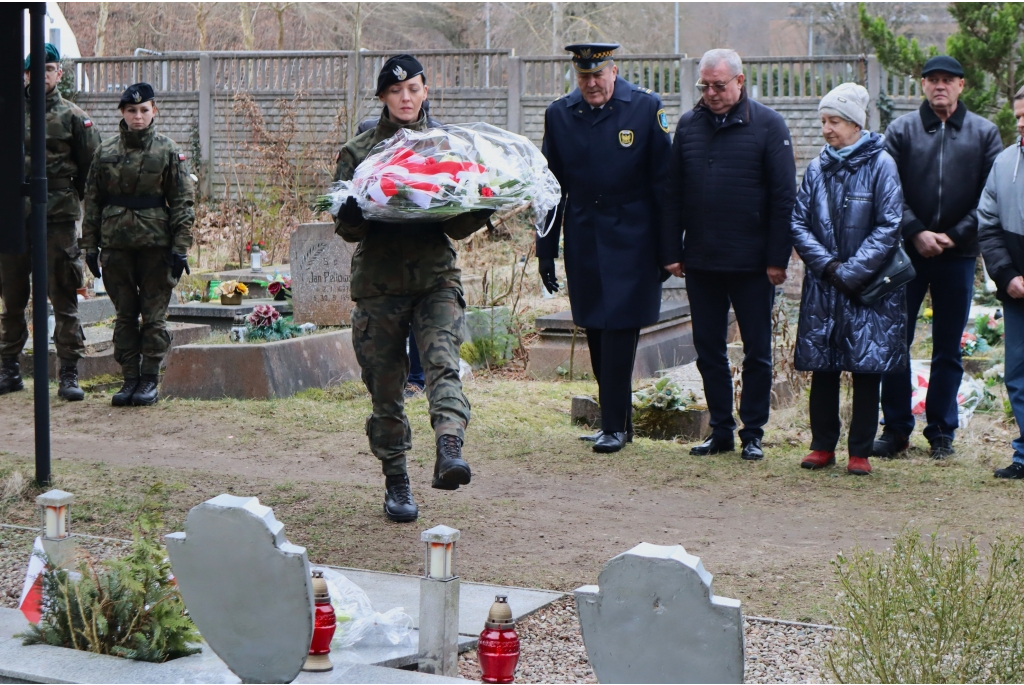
x,y
643,90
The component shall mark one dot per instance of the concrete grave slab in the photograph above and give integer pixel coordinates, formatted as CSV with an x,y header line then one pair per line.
x,y
653,618
246,587
260,371
95,309
321,267
217,316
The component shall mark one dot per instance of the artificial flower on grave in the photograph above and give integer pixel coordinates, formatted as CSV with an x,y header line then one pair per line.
x,y
263,315
229,288
257,246
281,284
989,329
970,344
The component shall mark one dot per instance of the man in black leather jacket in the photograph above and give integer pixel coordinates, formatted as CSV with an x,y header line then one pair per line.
x,y
944,154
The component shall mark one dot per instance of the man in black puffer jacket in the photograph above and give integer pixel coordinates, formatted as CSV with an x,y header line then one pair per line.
x,y
732,185
943,153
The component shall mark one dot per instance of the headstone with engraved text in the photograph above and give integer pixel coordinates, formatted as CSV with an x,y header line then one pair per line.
x,y
321,266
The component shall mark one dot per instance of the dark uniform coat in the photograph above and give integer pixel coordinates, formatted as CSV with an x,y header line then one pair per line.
x,y
613,166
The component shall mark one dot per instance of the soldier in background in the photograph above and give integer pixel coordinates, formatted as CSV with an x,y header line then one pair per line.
x,y
71,140
138,211
404,277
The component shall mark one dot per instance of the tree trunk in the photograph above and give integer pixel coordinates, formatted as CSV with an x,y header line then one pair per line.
x,y
101,30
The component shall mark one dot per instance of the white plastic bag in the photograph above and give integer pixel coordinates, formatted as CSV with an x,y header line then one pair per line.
x,y
435,174
969,395
357,621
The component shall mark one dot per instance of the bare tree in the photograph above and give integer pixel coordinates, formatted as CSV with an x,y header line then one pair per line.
x,y
248,21
202,17
279,9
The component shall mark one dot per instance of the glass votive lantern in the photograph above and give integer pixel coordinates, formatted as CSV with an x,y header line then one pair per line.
x,y
55,510
439,556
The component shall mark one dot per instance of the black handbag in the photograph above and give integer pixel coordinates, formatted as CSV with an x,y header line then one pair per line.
x,y
895,273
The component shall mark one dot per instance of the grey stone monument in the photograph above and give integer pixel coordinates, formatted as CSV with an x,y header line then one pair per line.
x,y
247,588
652,618
321,268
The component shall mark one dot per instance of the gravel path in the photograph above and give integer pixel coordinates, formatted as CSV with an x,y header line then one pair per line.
x,y
552,648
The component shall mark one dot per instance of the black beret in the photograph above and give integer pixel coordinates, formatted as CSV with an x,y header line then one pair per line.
x,y
397,69
136,94
943,63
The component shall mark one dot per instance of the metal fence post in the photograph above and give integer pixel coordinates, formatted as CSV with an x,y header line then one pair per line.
x,y
874,84
515,93
206,87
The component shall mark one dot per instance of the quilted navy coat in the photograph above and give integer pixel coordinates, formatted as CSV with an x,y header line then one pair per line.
x,y
837,332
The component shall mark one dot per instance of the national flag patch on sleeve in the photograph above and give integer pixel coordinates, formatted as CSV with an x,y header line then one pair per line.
x,y
87,123
181,156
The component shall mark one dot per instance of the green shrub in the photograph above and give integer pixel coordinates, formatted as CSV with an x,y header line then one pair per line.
x,y
128,607
926,613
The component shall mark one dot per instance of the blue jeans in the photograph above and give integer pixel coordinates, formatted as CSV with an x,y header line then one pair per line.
x,y
1013,320
951,280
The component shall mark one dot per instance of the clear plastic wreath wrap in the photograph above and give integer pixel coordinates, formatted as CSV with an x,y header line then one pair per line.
x,y
441,172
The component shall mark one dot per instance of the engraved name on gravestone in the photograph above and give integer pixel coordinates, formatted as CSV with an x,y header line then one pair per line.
x,y
321,268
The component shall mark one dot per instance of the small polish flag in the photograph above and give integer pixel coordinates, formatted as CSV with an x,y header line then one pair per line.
x,y
31,602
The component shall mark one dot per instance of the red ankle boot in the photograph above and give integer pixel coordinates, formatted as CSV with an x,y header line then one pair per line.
x,y
858,466
818,459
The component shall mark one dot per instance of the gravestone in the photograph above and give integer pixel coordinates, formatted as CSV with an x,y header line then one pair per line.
x,y
321,269
247,588
652,618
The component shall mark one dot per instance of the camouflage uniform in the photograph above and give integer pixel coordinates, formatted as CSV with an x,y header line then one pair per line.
x,y
71,141
138,210
405,275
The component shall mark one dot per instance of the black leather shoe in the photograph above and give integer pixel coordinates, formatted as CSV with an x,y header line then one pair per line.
x,y
10,376
450,469
752,450
942,448
597,436
123,397
1014,470
69,389
399,506
713,445
889,444
146,394
610,442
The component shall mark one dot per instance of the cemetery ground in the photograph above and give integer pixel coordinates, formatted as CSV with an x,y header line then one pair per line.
x,y
543,510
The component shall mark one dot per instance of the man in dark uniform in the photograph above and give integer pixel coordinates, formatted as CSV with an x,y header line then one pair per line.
x,y
607,143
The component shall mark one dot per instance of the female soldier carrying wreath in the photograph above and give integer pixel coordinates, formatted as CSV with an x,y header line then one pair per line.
x,y
138,211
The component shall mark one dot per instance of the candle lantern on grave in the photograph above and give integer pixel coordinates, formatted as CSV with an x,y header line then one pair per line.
x,y
439,604
324,624
55,514
498,647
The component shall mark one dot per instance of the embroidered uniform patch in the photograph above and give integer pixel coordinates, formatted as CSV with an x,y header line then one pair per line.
x,y
87,123
663,120
181,156
625,138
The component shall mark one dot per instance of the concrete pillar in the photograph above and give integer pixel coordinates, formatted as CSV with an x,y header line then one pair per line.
x,y
206,86
515,93
874,85
687,77
439,604
351,93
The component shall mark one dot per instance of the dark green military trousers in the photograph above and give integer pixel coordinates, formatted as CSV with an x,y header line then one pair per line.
x,y
139,283
380,329
64,277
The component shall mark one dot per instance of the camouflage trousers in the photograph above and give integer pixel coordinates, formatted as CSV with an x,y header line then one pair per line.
x,y
380,328
64,277
139,284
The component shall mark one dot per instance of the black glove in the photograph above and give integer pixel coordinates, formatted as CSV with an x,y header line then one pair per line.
x,y
350,213
829,274
179,263
546,269
92,260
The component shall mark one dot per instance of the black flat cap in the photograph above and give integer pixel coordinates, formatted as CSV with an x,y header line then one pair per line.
x,y
590,57
397,69
943,63
136,94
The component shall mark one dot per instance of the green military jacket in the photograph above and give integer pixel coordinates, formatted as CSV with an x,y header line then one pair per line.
x,y
71,141
139,194
397,258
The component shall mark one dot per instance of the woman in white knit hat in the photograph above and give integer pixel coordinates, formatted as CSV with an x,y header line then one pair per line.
x,y
846,228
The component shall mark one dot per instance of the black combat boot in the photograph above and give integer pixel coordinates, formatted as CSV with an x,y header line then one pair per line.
x,y
123,397
399,506
146,395
10,376
450,469
69,389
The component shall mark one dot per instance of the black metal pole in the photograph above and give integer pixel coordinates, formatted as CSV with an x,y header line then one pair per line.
x,y
38,193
